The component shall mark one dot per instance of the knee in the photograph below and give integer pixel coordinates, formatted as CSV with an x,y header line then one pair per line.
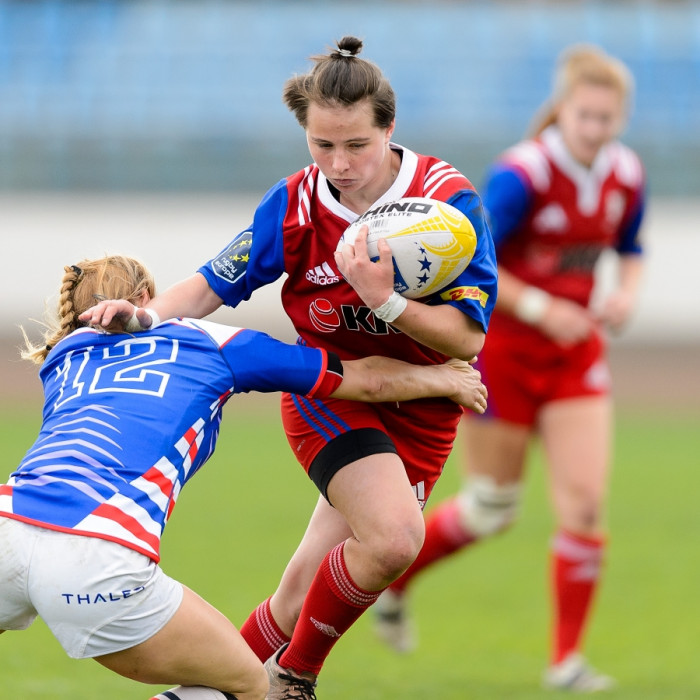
x,y
585,517
486,507
580,506
397,547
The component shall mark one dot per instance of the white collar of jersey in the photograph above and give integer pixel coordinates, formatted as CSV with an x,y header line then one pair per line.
x,y
588,181
409,163
600,168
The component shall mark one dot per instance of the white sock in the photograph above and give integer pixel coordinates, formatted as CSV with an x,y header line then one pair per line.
x,y
193,692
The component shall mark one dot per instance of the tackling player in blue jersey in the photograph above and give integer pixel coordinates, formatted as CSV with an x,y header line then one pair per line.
x,y
128,419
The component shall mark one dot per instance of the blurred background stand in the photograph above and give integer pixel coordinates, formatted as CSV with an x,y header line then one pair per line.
x,y
152,128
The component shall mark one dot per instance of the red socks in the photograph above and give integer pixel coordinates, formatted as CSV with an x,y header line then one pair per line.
x,y
444,535
261,632
575,570
332,604
334,601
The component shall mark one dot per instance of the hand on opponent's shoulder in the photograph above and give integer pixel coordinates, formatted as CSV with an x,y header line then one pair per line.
x,y
118,316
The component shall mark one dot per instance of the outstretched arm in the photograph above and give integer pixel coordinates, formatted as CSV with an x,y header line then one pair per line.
x,y
191,297
377,379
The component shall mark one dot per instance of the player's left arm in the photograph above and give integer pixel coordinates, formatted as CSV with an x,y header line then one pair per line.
x,y
617,308
258,362
619,305
378,379
456,328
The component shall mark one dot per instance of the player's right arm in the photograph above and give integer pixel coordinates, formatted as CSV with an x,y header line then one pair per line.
x,y
377,379
192,297
259,362
251,260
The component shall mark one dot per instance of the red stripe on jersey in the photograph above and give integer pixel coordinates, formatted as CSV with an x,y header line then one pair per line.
x,y
322,373
156,476
304,193
328,380
5,490
439,174
72,531
222,399
191,437
105,510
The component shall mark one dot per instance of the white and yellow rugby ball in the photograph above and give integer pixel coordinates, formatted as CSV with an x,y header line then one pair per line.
x,y
431,242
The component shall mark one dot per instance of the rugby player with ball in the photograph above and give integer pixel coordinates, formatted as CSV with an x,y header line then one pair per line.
x,y
374,465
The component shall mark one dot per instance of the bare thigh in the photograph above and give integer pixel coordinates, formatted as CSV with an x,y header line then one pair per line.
x,y
198,646
495,448
576,435
376,498
375,512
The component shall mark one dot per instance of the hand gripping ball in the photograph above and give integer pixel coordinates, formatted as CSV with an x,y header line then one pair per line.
x,y
431,242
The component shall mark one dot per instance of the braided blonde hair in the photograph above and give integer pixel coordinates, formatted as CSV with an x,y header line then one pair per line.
x,y
82,286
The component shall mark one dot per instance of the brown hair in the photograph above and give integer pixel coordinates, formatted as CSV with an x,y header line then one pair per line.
x,y
341,79
583,64
82,286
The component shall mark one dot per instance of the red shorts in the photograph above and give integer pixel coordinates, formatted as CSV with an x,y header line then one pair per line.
x,y
328,434
524,371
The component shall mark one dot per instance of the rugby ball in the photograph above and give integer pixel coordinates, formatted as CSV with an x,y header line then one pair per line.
x,y
431,242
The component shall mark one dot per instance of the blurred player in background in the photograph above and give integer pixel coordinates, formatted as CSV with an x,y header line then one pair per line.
x,y
128,419
376,465
555,202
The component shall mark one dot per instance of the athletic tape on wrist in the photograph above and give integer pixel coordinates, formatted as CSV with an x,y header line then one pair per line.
x,y
392,308
532,305
134,325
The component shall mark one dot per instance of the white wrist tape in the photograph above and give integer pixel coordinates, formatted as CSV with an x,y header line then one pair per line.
x,y
532,304
392,308
134,325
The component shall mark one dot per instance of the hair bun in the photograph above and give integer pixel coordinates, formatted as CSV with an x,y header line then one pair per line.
x,y
348,46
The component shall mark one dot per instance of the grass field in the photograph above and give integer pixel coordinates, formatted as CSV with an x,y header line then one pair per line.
x,y
482,617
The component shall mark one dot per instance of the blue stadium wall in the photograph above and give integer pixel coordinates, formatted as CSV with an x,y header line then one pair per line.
x,y
185,95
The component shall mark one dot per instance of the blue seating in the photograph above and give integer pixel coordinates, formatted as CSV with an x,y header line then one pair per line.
x,y
115,76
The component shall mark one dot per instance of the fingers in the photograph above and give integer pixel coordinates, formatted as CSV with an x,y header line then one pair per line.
x,y
107,313
349,250
359,249
98,315
385,254
144,318
361,241
473,393
479,403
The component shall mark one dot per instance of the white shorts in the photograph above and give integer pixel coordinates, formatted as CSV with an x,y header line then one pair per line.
x,y
96,596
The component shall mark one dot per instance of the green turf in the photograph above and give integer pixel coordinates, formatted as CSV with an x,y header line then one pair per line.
x,y
482,617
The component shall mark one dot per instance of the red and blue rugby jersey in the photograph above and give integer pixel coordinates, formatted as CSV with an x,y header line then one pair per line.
x,y
551,217
296,229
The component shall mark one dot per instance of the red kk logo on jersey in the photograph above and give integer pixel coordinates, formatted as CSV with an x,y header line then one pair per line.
x,y
323,316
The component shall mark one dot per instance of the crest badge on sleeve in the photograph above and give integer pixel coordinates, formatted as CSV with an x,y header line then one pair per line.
x,y
232,263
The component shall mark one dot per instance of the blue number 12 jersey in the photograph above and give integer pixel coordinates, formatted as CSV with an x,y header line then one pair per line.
x,y
128,419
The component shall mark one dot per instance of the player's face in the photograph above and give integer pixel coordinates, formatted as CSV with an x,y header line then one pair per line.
x,y
350,150
589,117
